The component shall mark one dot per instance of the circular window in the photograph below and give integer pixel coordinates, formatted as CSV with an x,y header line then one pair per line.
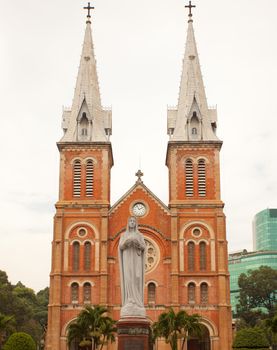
x,y
82,232
152,255
196,232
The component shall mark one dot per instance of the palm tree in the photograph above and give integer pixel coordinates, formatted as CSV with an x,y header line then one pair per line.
x,y
173,326
5,323
92,328
78,334
108,330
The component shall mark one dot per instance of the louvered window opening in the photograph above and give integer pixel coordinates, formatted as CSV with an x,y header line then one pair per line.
x,y
189,178
89,178
87,292
77,179
74,292
191,293
151,292
191,253
203,256
87,256
76,256
204,293
201,178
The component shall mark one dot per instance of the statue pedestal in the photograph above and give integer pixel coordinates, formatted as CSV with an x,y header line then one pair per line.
x,y
133,333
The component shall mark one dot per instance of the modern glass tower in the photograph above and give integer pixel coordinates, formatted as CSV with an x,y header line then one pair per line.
x,y
265,230
243,261
264,254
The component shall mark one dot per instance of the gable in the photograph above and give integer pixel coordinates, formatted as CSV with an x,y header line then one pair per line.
x,y
155,214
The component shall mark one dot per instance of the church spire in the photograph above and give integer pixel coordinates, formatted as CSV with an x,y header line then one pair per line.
x,y
87,121
192,119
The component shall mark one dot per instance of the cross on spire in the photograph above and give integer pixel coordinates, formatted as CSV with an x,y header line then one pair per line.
x,y
139,174
88,8
190,6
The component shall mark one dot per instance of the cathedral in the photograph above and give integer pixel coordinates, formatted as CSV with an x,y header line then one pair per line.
x,y
186,248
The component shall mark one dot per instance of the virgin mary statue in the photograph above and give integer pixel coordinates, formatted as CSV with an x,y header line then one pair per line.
x,y
131,260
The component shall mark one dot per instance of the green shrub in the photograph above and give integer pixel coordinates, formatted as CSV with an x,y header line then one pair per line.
x,y
250,338
20,341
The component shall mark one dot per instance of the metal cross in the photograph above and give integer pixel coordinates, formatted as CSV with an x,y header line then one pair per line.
x,y
89,8
139,174
190,6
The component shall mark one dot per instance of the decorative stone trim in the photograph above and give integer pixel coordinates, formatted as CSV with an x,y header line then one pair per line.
x,y
133,331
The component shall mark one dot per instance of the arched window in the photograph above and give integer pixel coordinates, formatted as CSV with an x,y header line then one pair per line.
x,y
87,292
87,256
191,255
151,292
194,131
201,178
76,256
77,178
74,292
204,293
191,293
189,177
89,178
203,256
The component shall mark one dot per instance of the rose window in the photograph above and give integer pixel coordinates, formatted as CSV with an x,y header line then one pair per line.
x,y
152,255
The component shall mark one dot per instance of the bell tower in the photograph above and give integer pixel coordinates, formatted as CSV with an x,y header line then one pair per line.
x,y
79,247
199,276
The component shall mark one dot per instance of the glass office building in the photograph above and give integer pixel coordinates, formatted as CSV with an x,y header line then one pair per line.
x,y
243,261
265,230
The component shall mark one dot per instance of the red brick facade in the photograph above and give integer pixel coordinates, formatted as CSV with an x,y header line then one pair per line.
x,y
169,229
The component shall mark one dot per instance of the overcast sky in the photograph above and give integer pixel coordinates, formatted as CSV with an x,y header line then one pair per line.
x,y
139,47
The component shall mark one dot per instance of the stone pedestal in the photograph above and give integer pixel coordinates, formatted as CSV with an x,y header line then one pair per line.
x,y
133,333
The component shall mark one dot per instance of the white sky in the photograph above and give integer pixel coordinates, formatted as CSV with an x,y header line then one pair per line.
x,y
139,48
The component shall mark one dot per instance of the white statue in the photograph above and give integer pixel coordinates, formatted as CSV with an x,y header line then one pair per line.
x,y
132,261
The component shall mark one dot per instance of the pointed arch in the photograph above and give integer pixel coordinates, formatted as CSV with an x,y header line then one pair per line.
x,y
194,126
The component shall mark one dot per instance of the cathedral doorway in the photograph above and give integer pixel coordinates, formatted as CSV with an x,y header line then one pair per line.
x,y
200,343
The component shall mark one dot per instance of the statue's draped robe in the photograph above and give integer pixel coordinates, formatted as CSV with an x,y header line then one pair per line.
x,y
132,260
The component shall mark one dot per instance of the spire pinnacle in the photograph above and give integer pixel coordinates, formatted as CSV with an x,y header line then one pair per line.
x,y
87,121
190,6
192,119
88,8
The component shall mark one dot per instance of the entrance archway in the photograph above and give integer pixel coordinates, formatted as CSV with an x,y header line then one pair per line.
x,y
200,343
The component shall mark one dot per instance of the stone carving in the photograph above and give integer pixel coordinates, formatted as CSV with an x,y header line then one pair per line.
x,y
132,262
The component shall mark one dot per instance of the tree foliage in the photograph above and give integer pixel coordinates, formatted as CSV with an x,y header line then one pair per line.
x,y
92,329
27,309
250,338
258,290
20,341
173,326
